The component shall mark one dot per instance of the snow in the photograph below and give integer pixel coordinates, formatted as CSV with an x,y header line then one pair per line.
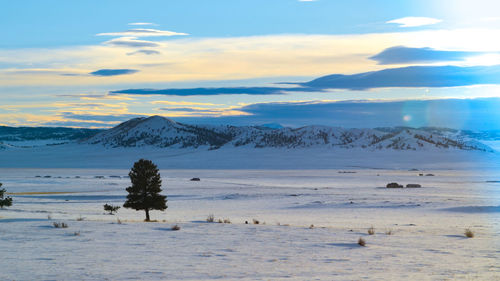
x,y
332,179
427,224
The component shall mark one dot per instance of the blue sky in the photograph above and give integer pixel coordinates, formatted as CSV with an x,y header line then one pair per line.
x,y
96,63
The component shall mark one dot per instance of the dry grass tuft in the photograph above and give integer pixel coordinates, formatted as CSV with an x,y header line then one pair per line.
x,y
176,227
255,221
361,242
371,230
389,232
227,221
60,225
211,218
76,233
80,218
118,221
469,233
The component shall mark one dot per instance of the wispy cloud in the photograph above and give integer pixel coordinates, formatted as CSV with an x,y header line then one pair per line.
x,y
414,21
113,72
211,91
406,55
131,42
183,103
98,117
200,111
144,52
190,109
143,23
142,32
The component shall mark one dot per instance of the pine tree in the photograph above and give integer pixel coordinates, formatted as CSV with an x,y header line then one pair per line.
x,y
4,202
144,194
110,208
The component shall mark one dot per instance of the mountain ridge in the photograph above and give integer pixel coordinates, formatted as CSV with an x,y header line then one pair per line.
x,y
157,131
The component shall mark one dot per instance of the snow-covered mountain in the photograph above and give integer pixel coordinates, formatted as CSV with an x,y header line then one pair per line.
x,y
158,131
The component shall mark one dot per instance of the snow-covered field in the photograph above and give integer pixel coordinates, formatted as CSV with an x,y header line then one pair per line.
x,y
427,225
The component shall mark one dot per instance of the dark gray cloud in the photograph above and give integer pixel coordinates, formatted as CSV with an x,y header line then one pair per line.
x,y
404,55
475,114
144,52
412,76
210,91
404,77
188,109
113,72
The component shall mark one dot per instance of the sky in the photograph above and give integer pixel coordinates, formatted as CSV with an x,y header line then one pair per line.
x,y
356,63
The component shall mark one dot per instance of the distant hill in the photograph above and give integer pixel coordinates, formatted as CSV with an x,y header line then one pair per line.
x,y
29,136
162,132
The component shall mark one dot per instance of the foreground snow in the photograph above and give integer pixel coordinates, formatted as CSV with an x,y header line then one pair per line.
x,y
427,224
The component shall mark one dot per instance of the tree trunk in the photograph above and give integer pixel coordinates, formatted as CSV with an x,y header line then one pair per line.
x,y
147,214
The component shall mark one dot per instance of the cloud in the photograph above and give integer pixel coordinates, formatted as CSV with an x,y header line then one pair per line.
x,y
183,103
403,77
190,109
142,32
144,52
131,42
143,23
412,76
209,91
414,21
233,58
81,124
113,72
97,117
406,55
475,114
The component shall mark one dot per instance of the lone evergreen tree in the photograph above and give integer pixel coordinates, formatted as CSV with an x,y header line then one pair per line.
x,y
4,201
144,194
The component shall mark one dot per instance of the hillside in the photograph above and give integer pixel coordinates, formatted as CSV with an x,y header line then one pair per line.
x,y
162,132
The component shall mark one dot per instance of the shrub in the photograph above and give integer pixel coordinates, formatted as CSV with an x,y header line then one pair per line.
x,y
77,233
255,221
220,221
388,232
4,201
361,242
176,227
394,185
311,226
110,208
468,233
60,225
211,218
227,221
80,218
371,230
